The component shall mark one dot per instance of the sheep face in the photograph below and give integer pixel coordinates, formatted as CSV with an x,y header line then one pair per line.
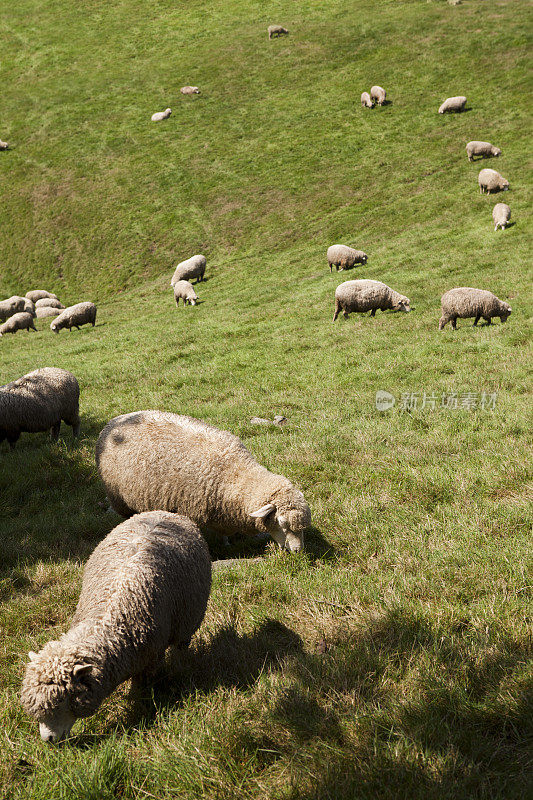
x,y
506,310
54,327
56,725
286,519
402,304
504,185
495,151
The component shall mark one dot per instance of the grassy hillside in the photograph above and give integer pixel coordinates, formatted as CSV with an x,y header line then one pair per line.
x,y
393,659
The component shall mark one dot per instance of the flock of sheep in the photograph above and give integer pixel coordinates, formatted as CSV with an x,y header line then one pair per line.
x,y
147,584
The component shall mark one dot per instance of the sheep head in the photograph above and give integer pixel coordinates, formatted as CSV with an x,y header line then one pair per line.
x,y
285,518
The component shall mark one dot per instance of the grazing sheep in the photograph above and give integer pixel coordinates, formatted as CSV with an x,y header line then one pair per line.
x,y
38,402
190,90
15,304
183,290
18,322
378,94
453,104
339,255
466,302
501,214
366,100
483,149
47,311
145,588
366,295
491,181
48,302
278,420
40,294
193,267
4,145
74,316
153,459
161,115
278,30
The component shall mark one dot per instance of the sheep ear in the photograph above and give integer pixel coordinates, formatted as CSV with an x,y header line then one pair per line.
x,y
32,656
81,669
263,512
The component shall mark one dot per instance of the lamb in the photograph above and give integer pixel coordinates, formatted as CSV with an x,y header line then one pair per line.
x,y
491,181
193,267
339,255
47,311
378,94
4,145
279,30
190,90
74,316
48,302
38,402
145,588
466,302
39,294
153,459
366,100
159,116
483,149
183,290
367,295
501,214
453,104
15,304
18,322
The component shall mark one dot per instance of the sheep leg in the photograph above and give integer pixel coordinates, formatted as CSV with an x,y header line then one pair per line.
x,y
76,428
373,312
478,317
345,313
54,433
13,438
454,323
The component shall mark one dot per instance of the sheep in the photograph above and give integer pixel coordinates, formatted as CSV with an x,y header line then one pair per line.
x,y
453,104
38,402
18,322
483,149
47,311
367,295
339,255
491,181
153,459
279,30
15,304
4,145
501,214
48,302
366,100
39,294
159,116
193,267
145,588
74,316
183,290
378,94
465,302
190,90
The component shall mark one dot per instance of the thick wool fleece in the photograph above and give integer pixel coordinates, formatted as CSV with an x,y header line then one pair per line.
x,y
22,321
490,180
74,316
193,267
340,255
145,587
465,302
40,294
367,295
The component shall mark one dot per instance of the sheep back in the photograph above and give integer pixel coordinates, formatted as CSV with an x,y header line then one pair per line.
x,y
465,301
193,267
74,316
48,302
39,294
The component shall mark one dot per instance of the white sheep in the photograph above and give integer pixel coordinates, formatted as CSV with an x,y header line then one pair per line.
x,y
367,295
465,302
47,311
183,290
48,302
366,100
501,214
15,304
4,145
483,149
23,321
145,588
159,116
190,90
74,316
39,294
378,94
491,181
453,104
193,267
152,459
340,255
277,30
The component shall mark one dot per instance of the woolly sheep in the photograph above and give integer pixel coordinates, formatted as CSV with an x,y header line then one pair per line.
x,y
501,214
453,104
366,100
154,459
491,181
183,291
15,304
466,302
190,90
4,145
38,402
74,316
39,294
483,149
279,30
18,322
378,94
145,588
161,115
47,311
366,295
193,267
339,255
48,302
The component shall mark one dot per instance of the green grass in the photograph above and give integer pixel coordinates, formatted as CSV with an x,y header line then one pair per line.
x,y
393,659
